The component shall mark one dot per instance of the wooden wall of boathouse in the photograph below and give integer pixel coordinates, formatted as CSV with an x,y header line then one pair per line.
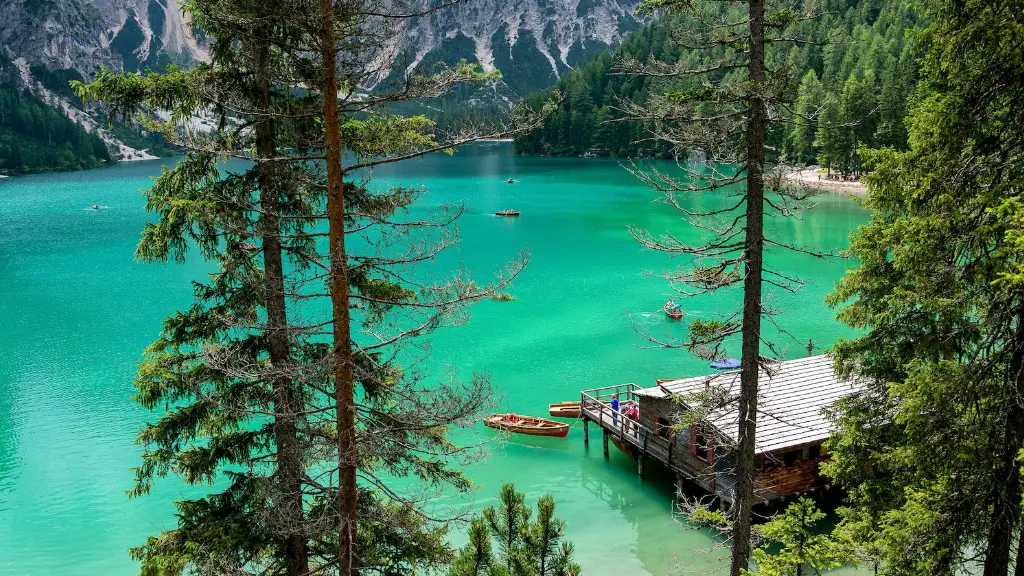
x,y
707,460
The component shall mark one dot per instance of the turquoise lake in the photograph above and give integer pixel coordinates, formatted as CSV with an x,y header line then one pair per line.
x,y
76,312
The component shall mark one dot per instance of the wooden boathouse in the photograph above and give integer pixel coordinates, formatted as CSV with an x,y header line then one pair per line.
x,y
690,426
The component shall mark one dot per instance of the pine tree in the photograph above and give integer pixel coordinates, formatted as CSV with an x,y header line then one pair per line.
x,y
811,94
724,109
526,547
282,383
930,451
804,549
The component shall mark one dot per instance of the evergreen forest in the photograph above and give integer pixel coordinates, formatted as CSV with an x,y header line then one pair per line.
x,y
35,137
852,79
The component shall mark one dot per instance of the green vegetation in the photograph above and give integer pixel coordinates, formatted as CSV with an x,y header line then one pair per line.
x,y
790,544
35,137
280,386
930,453
855,75
526,547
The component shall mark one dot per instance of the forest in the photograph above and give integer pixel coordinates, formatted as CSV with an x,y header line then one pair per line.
x,y
292,418
855,76
35,137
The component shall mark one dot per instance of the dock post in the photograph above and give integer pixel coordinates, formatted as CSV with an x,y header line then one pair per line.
x,y
605,443
640,465
586,432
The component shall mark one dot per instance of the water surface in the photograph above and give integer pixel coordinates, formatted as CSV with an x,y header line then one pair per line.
x,y
76,312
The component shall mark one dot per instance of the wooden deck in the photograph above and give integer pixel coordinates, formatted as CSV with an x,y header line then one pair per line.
x,y
596,407
646,444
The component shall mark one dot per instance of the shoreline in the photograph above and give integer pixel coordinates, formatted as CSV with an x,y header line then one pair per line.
x,y
812,179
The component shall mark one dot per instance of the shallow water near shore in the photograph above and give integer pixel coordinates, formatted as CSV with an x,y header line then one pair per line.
x,y
77,312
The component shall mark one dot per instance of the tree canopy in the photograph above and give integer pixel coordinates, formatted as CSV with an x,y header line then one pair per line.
x,y
35,137
857,69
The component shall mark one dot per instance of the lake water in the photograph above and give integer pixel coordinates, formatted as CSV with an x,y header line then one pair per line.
x,y
76,312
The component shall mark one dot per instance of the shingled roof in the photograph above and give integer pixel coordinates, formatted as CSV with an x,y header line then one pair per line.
x,y
791,399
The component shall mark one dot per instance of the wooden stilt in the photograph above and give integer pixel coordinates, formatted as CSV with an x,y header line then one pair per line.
x,y
640,465
605,435
586,432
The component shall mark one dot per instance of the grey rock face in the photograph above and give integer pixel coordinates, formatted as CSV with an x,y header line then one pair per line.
x,y
86,35
531,41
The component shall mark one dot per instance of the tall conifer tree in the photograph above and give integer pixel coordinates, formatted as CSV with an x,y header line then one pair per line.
x,y
284,383
717,112
930,452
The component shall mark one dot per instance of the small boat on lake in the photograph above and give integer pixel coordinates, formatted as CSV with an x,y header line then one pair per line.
x,y
565,410
510,181
508,212
527,425
673,310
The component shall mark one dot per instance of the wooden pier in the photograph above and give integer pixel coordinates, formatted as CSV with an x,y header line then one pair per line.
x,y
638,439
792,427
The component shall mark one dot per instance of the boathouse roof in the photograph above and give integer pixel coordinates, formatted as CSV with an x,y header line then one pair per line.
x,y
791,395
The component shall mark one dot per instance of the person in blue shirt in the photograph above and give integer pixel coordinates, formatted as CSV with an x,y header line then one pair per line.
x,y
615,410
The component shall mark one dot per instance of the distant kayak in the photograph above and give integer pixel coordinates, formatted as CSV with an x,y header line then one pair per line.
x,y
725,364
507,213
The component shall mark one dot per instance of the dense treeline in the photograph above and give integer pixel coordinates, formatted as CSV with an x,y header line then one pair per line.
x,y
854,82
35,137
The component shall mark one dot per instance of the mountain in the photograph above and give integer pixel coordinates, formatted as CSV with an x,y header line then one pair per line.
x,y
532,43
35,136
85,35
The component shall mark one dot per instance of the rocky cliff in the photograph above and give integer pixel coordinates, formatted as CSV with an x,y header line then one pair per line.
x,y
85,35
532,42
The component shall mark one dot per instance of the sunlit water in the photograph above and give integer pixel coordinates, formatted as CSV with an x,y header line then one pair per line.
x,y
76,312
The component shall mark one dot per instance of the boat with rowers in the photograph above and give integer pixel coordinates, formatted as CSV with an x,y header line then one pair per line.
x,y
508,212
530,425
673,310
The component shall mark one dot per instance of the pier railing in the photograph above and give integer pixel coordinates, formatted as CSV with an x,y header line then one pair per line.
x,y
596,406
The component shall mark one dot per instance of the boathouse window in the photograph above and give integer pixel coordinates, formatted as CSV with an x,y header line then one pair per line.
x,y
814,452
790,458
699,445
664,427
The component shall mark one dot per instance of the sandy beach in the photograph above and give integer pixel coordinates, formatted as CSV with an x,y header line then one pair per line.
x,y
814,179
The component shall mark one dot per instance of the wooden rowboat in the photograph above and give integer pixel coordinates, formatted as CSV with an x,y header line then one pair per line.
x,y
507,213
565,410
527,425
673,312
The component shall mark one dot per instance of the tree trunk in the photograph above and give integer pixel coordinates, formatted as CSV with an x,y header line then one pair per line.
x,y
754,244
289,457
1006,491
1018,569
344,384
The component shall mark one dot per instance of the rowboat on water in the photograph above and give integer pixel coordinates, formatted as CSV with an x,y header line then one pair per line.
x,y
565,410
673,310
527,425
508,212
